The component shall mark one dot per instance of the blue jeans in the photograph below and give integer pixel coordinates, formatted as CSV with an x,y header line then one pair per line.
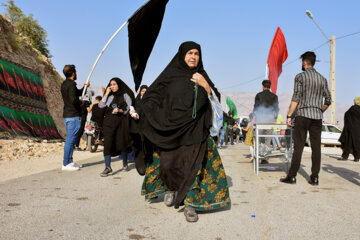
x,y
72,128
124,156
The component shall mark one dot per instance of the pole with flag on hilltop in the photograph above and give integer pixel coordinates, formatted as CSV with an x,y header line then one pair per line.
x,y
277,56
144,27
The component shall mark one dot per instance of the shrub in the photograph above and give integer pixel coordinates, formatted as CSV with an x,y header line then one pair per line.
x,y
15,41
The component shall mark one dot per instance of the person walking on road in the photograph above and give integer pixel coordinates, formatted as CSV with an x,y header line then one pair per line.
x,y
350,136
177,115
117,103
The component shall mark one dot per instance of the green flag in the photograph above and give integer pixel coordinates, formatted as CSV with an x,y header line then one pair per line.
x,y
232,107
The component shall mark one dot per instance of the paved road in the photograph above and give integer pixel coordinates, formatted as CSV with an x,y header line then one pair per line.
x,y
82,205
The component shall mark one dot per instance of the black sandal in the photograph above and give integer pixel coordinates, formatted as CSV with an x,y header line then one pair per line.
x,y
106,172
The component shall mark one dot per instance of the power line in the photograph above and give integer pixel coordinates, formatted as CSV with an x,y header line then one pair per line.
x,y
294,60
249,81
262,76
348,35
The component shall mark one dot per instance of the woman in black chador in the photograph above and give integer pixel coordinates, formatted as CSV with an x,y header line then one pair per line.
x,y
350,136
117,102
138,99
176,118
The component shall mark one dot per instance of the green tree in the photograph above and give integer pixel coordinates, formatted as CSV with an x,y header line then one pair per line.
x,y
13,12
28,27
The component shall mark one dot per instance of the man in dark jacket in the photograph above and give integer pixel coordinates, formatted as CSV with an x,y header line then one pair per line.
x,y
266,109
71,115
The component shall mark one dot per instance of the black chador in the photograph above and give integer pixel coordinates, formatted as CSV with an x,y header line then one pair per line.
x,y
171,125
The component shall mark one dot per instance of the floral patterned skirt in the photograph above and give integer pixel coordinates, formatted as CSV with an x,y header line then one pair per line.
x,y
210,189
249,140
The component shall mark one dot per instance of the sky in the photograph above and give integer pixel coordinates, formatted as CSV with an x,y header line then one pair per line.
x,y
235,37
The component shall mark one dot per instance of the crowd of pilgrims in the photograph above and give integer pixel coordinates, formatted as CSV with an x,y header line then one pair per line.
x,y
167,126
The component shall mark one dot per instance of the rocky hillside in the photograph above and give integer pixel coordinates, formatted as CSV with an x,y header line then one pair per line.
x,y
16,49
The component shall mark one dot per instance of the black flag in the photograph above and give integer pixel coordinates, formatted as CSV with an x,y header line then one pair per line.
x,y
144,27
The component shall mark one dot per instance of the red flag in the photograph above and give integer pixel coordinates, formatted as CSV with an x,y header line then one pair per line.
x,y
53,132
19,82
37,130
34,127
34,88
44,130
9,79
25,129
3,124
27,85
41,91
2,79
12,124
277,56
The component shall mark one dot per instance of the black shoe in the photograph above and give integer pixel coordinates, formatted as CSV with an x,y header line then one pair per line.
x,y
342,159
314,181
264,161
287,179
106,172
356,160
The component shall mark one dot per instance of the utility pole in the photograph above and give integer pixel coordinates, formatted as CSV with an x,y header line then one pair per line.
x,y
332,80
332,69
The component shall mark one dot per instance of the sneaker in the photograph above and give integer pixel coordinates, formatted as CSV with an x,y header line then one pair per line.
x,y
76,164
106,172
69,167
169,199
126,167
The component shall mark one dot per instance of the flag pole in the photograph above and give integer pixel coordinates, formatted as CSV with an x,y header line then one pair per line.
x,y
101,53
107,44
266,72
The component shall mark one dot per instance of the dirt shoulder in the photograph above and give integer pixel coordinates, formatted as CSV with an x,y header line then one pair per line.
x,y
19,158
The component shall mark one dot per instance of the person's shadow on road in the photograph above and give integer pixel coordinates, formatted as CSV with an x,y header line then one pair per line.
x,y
347,174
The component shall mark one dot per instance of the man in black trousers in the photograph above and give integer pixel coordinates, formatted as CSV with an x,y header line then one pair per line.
x,y
310,90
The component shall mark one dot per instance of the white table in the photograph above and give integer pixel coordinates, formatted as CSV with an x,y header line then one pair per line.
x,y
287,154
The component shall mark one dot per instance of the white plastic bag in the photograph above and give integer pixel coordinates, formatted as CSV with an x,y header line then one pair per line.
x,y
217,115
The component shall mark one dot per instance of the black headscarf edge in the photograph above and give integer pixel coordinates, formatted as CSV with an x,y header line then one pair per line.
x,y
123,88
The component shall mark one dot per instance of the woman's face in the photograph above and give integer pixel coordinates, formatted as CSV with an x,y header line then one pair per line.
x,y
113,86
143,91
192,58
